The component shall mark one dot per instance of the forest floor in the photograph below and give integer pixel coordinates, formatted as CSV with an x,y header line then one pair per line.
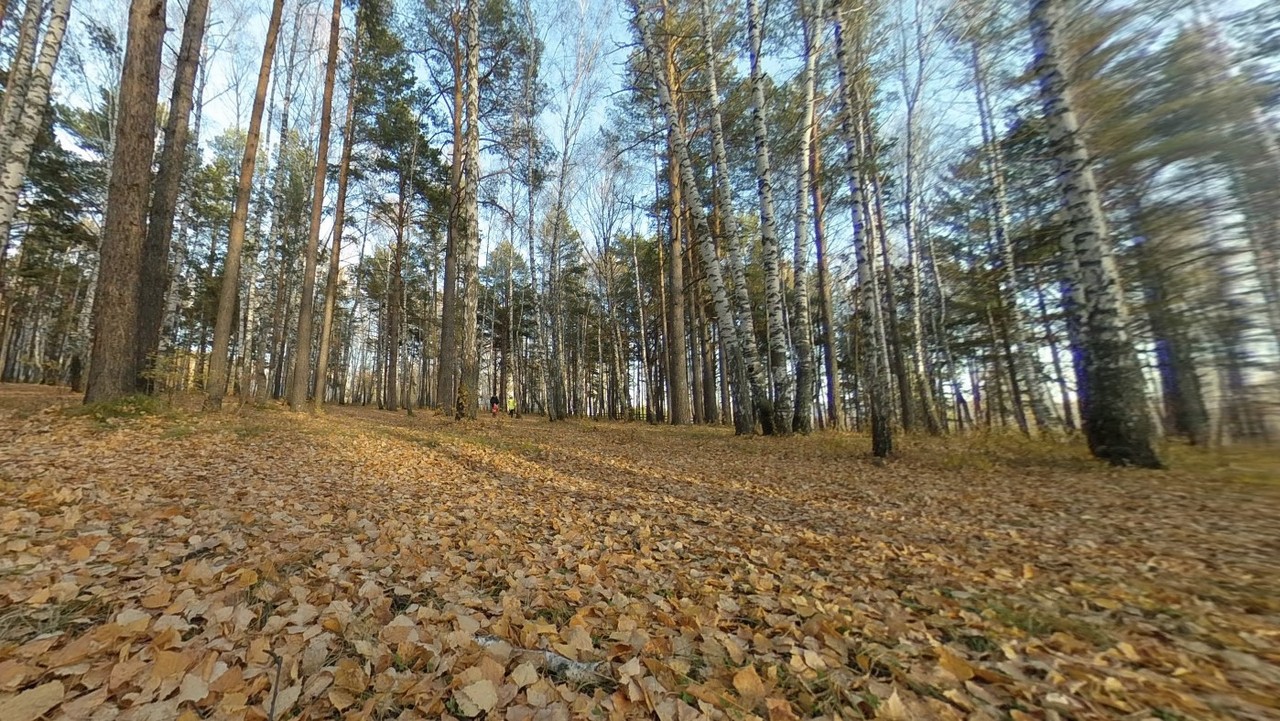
x,y
155,567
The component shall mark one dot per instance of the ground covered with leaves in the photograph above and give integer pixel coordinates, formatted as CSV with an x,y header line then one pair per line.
x,y
368,565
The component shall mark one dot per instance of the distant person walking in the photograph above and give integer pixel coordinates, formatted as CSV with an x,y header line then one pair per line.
x,y
495,405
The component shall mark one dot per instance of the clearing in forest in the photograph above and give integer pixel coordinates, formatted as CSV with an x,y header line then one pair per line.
x,y
156,567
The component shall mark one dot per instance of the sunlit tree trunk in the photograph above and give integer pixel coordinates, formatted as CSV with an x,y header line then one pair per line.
x,y
168,182
826,304
25,101
878,393
1117,424
302,358
230,283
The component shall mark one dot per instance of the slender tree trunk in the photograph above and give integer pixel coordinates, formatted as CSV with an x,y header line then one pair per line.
x,y
1026,364
168,182
339,221
302,358
810,18
217,387
1117,424
879,395
470,352
830,345
113,369
677,348
777,329
17,83
447,374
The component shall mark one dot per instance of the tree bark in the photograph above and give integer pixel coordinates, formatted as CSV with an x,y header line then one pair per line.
x,y
113,369
810,18
779,366
1117,425
229,290
470,352
168,183
339,221
702,230
879,395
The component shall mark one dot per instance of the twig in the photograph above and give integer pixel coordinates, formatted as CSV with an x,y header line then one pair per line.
x,y
275,689
580,672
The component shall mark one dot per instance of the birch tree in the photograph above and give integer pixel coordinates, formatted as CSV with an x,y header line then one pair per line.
x,y
25,100
811,12
779,366
1117,424
761,406
469,351
878,392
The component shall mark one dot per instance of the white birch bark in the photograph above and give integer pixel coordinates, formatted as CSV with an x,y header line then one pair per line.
x,y
15,86
730,240
469,351
779,366
1117,424
22,134
879,394
810,15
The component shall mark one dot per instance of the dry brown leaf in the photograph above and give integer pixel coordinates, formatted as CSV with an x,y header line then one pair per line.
x,y
749,684
32,703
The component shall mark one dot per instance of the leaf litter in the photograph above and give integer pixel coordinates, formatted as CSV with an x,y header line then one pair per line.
x,y
362,565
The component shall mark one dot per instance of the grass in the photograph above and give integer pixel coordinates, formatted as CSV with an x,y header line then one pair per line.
x,y
128,407
1043,624
23,623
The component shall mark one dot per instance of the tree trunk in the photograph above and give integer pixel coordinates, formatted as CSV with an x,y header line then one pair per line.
x,y
1026,363
810,18
1117,424
677,350
779,367
302,357
879,395
113,369
217,387
447,373
469,351
339,220
830,345
168,182
761,406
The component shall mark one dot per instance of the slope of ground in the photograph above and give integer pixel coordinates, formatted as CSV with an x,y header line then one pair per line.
x,y
372,565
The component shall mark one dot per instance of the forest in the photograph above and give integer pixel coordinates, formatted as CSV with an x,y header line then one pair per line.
x,y
377,359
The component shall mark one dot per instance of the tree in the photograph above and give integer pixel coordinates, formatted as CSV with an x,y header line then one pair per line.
x,y
1116,421
302,358
154,279
879,395
230,282
113,367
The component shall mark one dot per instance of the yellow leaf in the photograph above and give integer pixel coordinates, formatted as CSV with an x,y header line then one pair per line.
x,y
780,710
748,684
350,675
80,553
33,703
476,698
954,665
